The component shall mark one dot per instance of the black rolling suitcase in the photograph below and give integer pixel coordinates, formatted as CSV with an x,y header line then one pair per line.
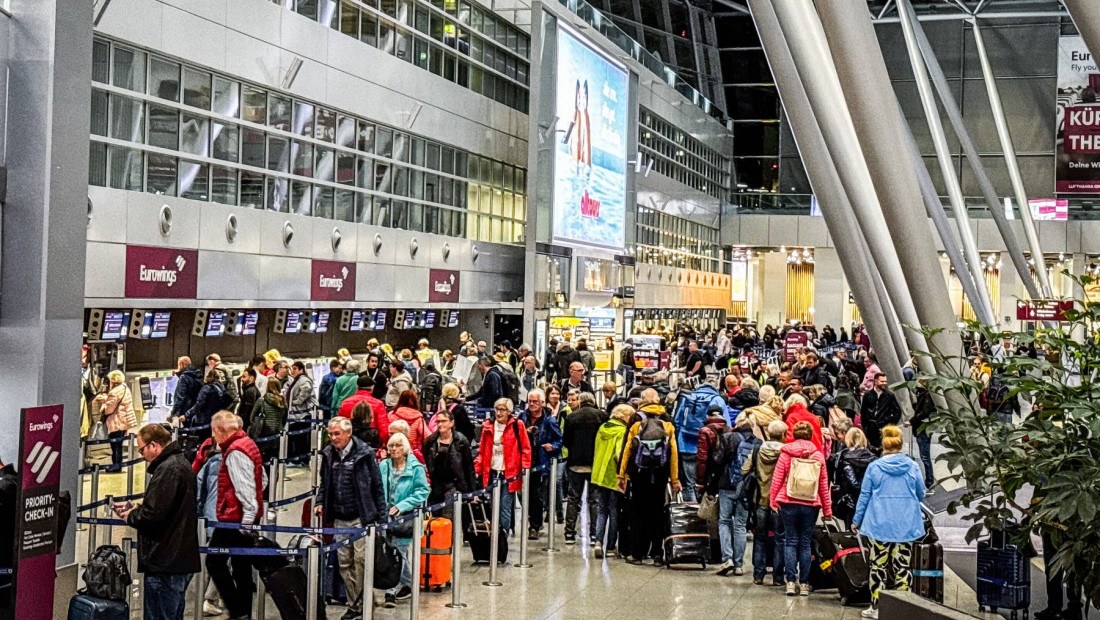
x,y
477,532
688,541
927,568
84,607
287,588
843,560
1004,575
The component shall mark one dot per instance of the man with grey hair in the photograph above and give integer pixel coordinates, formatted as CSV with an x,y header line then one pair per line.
x,y
346,384
579,440
350,496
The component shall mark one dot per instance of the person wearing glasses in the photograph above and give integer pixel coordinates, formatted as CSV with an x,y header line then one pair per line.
x,y
167,524
505,451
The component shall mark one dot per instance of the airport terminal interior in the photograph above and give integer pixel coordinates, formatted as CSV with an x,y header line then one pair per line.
x,y
443,309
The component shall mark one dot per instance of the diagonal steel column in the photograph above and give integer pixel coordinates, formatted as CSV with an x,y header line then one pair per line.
x,y
836,209
951,107
862,71
1013,173
943,156
1087,19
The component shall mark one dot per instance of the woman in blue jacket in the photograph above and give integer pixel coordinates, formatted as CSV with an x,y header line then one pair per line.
x,y
889,515
405,487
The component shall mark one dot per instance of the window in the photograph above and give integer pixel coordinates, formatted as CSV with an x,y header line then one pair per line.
x,y
194,134
127,119
303,118
279,112
252,148
196,88
225,142
129,69
223,185
278,154
194,180
161,175
164,124
227,97
164,79
255,105
252,189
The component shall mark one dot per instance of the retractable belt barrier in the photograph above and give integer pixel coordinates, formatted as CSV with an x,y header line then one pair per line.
x,y
100,442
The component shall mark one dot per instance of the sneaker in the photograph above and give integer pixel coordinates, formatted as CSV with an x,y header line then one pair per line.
x,y
391,601
757,582
1048,614
352,614
792,588
209,608
532,534
870,612
570,539
738,571
597,551
725,568
778,582
804,589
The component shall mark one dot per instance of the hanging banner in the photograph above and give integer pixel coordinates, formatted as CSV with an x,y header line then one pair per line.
x,y
1077,145
36,530
794,341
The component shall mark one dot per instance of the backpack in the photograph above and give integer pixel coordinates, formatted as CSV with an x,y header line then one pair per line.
x,y
803,479
431,387
995,394
725,448
509,381
225,399
107,576
748,490
651,448
744,452
691,413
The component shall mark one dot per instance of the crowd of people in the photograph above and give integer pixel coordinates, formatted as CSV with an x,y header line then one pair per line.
x,y
776,447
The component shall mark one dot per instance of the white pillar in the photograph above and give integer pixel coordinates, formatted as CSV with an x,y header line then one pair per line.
x,y
830,289
773,300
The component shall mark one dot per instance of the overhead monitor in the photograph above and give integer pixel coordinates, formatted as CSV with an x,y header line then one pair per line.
x,y
590,145
293,322
356,323
452,320
251,317
380,320
115,325
158,323
321,321
412,319
215,324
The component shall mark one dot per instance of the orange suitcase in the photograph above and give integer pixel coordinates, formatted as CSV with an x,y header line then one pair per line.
x,y
435,558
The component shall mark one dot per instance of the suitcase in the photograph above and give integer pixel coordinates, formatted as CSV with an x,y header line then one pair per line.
x,y
287,588
927,567
84,607
477,535
852,575
1004,576
334,591
688,541
435,558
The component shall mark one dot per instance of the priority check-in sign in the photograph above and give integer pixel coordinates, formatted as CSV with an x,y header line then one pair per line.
x,y
36,538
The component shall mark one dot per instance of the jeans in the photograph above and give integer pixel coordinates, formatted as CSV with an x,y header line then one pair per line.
x,y
507,501
924,443
687,476
406,566
577,480
116,446
767,544
732,519
798,531
606,515
165,596
351,561
235,586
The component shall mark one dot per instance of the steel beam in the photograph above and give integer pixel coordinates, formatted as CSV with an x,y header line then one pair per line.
x,y
1022,204
836,208
861,71
1087,19
982,305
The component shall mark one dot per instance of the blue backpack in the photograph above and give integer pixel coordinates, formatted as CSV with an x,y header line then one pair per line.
x,y
691,415
744,452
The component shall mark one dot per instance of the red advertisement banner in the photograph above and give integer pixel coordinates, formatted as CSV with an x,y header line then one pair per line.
x,y
36,534
161,273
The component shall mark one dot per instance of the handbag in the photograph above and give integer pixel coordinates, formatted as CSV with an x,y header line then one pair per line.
x,y
99,431
708,507
401,530
387,564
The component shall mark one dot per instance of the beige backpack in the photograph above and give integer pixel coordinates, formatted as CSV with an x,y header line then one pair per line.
x,y
803,479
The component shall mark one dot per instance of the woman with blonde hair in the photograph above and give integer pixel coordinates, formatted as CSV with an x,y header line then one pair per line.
x,y
607,456
117,408
889,515
851,466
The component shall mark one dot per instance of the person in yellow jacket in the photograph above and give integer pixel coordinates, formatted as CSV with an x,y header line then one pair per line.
x,y
650,464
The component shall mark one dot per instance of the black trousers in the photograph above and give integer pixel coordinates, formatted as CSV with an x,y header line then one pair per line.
x,y
116,446
649,518
540,489
232,575
1061,595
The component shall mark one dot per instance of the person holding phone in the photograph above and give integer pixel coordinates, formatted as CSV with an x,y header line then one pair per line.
x,y
167,524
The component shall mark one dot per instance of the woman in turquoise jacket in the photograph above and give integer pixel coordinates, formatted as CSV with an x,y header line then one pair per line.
x,y
889,515
405,488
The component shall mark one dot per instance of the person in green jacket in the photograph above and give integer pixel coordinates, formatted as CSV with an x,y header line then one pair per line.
x,y
405,488
268,419
346,385
605,477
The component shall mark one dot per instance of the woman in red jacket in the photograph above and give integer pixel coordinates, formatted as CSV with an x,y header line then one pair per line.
x,y
504,452
795,412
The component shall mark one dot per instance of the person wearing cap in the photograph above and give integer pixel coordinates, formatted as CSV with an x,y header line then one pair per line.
x,y
379,418
116,407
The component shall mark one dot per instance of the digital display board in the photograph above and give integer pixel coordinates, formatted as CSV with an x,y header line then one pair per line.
x,y
293,323
427,317
379,321
356,324
215,324
452,320
321,321
412,319
593,104
251,318
158,325
115,325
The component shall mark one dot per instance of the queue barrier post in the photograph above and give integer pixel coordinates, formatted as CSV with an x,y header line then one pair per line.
x,y
368,575
200,583
494,537
93,529
129,457
272,480
284,445
552,508
526,511
133,595
418,532
261,589
456,554
313,574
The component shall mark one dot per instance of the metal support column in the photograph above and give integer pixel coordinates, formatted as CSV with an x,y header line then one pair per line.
x,y
456,554
1087,20
415,560
983,307
861,71
837,211
552,508
1005,136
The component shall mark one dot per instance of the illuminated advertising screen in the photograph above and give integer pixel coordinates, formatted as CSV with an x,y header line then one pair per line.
x,y
593,103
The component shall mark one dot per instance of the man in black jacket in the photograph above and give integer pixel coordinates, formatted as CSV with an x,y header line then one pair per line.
x,y
350,496
249,395
878,410
189,382
579,440
167,524
813,373
492,383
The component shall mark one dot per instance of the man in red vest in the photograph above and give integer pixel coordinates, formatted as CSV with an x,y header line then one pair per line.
x,y
241,483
